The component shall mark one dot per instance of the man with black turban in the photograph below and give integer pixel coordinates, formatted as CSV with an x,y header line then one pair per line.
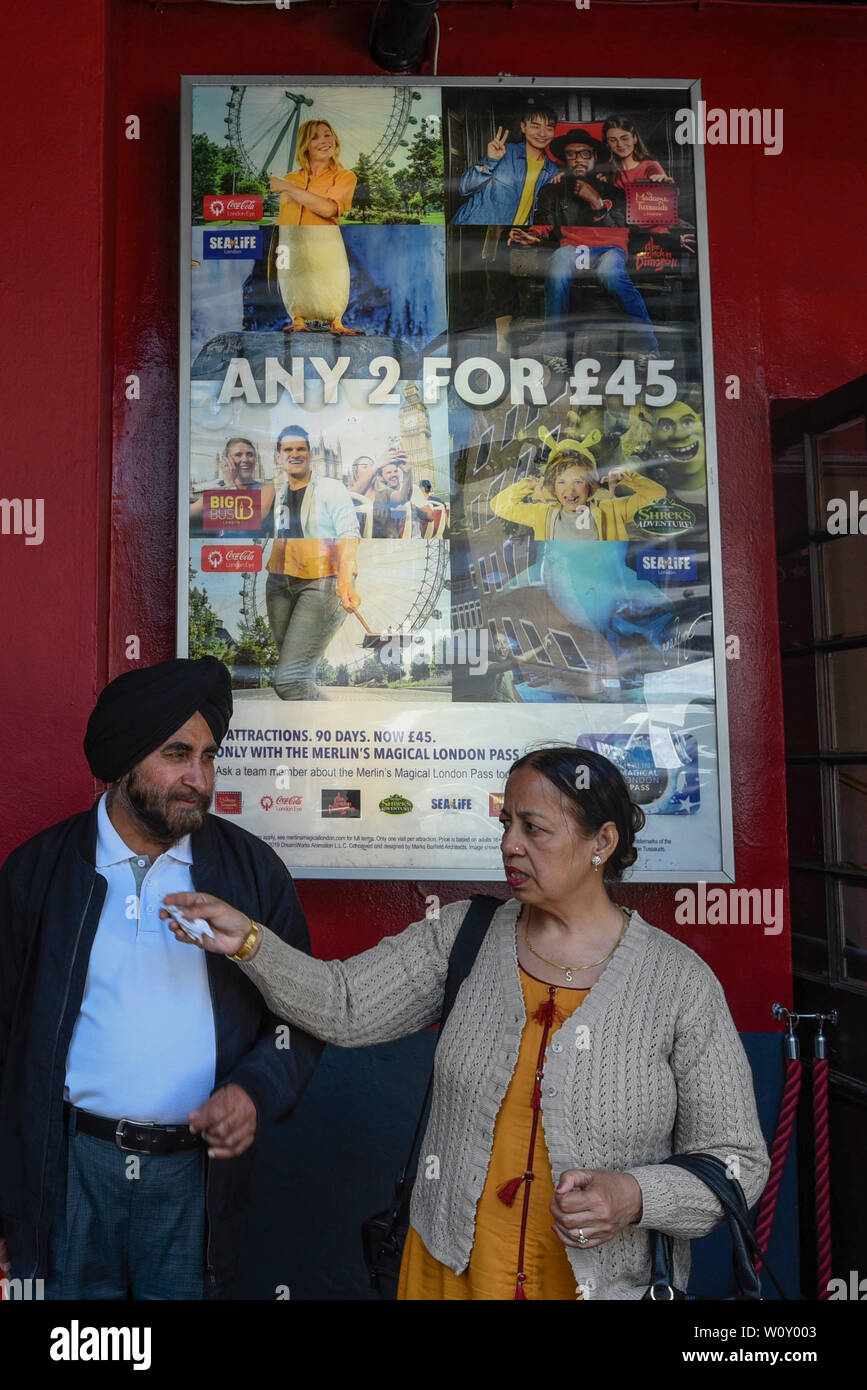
x,y
135,1075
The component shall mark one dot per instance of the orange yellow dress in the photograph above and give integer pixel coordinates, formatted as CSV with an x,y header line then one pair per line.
x,y
516,1254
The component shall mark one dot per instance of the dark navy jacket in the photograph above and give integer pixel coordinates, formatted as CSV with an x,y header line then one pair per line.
x,y
50,901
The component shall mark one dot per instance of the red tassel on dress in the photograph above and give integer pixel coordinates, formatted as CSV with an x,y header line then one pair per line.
x,y
508,1191
548,1014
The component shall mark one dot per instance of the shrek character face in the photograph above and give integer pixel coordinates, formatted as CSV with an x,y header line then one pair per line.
x,y
587,418
678,441
616,415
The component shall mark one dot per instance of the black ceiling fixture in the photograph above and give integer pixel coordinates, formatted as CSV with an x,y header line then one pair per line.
x,y
399,32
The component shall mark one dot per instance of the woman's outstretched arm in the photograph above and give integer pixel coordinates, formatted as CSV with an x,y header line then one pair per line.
x,y
388,992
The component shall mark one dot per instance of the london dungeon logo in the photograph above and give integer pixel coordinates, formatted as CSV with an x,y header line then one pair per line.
x,y
343,803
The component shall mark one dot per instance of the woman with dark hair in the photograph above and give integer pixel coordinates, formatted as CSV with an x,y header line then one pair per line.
x,y
631,160
630,157
584,1048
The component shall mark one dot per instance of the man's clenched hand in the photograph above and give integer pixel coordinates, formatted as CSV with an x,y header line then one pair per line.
x,y
227,1121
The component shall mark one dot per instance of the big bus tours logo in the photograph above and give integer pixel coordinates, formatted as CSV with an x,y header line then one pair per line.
x,y
236,510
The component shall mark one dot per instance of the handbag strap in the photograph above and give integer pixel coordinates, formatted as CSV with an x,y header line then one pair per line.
x,y
729,1193
462,958
745,1249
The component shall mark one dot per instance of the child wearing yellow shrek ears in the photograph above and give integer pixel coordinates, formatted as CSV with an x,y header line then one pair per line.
x,y
592,586
569,502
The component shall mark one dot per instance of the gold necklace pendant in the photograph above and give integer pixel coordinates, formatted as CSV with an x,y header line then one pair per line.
x,y
567,969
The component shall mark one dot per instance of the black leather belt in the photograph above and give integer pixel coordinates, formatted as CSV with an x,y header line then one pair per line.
x,y
134,1136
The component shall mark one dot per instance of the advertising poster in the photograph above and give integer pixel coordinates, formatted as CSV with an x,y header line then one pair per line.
x,y
447,464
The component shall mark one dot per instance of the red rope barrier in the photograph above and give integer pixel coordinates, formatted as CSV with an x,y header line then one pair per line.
x,y
822,1161
782,1139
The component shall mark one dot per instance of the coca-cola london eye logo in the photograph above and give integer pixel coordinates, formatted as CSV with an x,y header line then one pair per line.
x,y
228,208
245,559
282,803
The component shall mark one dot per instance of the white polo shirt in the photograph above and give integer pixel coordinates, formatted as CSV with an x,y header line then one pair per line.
x,y
143,1046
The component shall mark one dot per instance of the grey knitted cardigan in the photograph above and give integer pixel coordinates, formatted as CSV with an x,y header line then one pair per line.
x,y
649,1065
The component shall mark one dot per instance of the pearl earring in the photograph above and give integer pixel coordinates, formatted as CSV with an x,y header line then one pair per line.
x,y
596,861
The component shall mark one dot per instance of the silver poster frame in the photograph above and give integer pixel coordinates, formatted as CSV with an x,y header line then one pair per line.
x,y
691,88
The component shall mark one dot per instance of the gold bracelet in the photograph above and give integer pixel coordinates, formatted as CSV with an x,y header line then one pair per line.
x,y
247,948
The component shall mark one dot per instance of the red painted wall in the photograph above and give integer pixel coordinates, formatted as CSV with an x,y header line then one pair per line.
x,y
91,284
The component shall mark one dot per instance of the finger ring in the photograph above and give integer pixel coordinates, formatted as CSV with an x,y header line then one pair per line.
x,y
582,1239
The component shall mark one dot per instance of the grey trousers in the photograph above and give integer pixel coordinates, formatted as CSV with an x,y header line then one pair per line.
x,y
303,615
128,1226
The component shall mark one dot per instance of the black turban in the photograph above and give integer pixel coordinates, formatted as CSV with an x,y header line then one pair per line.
x,y
143,708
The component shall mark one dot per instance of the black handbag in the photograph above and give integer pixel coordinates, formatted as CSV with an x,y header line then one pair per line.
x,y
383,1235
745,1248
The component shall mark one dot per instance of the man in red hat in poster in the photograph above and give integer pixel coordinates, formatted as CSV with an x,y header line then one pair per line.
x,y
585,215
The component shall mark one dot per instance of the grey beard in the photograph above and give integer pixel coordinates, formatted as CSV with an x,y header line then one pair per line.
x,y
149,809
